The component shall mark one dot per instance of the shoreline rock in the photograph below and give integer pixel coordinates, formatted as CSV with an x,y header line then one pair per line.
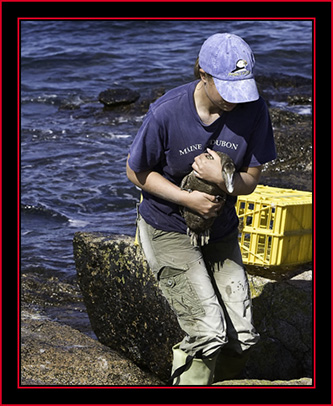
x,y
56,354
124,307
53,354
129,314
264,382
55,326
117,97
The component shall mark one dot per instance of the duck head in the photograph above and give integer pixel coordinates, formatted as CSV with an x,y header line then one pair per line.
x,y
228,170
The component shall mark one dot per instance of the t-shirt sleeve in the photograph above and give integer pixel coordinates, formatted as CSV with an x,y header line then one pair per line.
x,y
147,149
261,146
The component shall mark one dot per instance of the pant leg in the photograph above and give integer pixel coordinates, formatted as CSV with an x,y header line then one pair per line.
x,y
224,261
186,284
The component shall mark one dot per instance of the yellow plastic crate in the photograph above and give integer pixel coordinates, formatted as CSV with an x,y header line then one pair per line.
x,y
276,226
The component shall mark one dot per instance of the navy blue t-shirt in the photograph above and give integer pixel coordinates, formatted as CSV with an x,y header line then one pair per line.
x,y
172,135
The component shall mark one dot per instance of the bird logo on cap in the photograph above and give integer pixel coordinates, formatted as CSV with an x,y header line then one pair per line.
x,y
240,68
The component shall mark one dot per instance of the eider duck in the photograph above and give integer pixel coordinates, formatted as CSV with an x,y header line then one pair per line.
x,y
198,227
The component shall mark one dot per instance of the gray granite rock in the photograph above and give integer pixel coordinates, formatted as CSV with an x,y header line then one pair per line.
x,y
129,314
55,354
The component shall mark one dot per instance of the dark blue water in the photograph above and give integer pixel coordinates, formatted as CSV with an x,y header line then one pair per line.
x,y
73,152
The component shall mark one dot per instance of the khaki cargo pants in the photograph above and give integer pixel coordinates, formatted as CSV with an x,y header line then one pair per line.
x,y
206,287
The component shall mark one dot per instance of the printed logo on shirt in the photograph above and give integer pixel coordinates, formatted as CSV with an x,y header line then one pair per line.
x,y
191,148
224,144
218,143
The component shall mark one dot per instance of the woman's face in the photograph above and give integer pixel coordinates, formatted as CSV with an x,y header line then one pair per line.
x,y
212,93
215,98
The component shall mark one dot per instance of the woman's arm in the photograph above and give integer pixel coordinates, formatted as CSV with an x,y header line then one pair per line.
x,y
155,184
210,169
245,181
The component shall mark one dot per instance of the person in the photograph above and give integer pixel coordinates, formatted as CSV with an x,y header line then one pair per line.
x,y
206,286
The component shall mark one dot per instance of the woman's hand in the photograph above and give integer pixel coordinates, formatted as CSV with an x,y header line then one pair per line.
x,y
152,182
210,170
202,203
206,205
207,168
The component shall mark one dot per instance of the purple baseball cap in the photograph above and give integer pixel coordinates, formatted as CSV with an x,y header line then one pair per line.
x,y
229,59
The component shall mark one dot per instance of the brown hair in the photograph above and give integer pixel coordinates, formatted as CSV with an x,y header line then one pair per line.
x,y
197,71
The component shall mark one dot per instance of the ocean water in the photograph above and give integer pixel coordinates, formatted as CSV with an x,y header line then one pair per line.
x,y
73,151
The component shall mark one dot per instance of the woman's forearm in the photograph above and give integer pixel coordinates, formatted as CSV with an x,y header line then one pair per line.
x,y
244,182
155,184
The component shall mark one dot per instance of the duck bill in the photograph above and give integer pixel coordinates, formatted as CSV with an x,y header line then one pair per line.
x,y
229,182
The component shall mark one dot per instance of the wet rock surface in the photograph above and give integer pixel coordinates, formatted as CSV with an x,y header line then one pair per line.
x,y
276,88
58,346
58,300
287,97
117,97
57,354
293,140
124,100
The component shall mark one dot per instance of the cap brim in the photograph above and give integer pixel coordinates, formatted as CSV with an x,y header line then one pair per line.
x,y
237,91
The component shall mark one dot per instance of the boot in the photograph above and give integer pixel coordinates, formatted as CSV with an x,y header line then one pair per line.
x,y
229,365
187,370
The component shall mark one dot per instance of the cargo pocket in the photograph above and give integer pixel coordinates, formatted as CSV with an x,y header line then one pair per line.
x,y
180,293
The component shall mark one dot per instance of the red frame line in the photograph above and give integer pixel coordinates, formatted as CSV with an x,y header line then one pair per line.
x,y
314,185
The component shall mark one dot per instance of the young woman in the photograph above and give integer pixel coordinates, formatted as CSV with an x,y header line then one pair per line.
x,y
206,286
